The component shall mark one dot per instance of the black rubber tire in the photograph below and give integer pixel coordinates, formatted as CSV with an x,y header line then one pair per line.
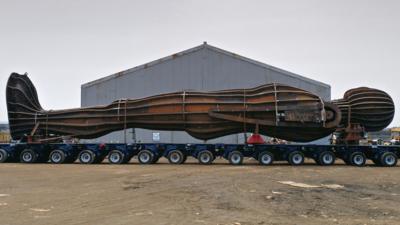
x,y
296,158
146,157
155,160
205,157
86,157
235,158
71,158
28,156
347,161
377,159
184,159
127,159
266,158
57,156
326,158
357,159
388,159
176,157
99,158
3,156
116,157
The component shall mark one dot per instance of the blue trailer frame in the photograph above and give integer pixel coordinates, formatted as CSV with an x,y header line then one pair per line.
x,y
150,153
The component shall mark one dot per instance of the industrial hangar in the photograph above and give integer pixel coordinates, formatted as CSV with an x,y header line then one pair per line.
x,y
202,68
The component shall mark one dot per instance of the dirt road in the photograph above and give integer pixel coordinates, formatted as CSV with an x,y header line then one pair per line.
x,y
196,194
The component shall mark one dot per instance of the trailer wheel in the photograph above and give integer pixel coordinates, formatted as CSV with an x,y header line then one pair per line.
x,y
3,155
70,159
296,158
99,158
145,157
127,159
116,157
175,157
184,159
347,161
388,159
358,159
376,160
266,158
28,156
326,158
235,158
86,157
155,160
205,157
57,156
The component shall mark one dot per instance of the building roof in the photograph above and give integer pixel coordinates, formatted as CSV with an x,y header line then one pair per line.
x,y
197,48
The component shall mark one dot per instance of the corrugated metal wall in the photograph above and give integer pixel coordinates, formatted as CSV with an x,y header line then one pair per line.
x,y
204,68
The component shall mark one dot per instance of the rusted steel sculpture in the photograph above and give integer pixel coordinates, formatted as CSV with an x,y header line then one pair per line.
x,y
274,110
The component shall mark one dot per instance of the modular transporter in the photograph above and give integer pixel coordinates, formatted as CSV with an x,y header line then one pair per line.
x,y
274,110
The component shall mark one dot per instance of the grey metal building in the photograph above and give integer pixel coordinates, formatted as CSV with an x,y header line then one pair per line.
x,y
203,68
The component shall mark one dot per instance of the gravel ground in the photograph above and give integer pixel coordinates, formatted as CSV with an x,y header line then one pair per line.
x,y
198,194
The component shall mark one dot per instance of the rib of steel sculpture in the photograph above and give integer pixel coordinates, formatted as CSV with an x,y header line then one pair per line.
x,y
274,109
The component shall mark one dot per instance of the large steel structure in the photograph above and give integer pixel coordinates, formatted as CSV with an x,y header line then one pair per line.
x,y
276,110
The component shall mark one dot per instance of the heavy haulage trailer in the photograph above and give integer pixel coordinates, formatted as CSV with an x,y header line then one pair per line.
x,y
274,110
150,153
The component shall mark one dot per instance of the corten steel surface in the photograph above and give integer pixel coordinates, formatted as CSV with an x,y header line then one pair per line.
x,y
371,108
280,111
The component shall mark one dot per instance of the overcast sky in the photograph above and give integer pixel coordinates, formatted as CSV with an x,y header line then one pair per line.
x,y
63,44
